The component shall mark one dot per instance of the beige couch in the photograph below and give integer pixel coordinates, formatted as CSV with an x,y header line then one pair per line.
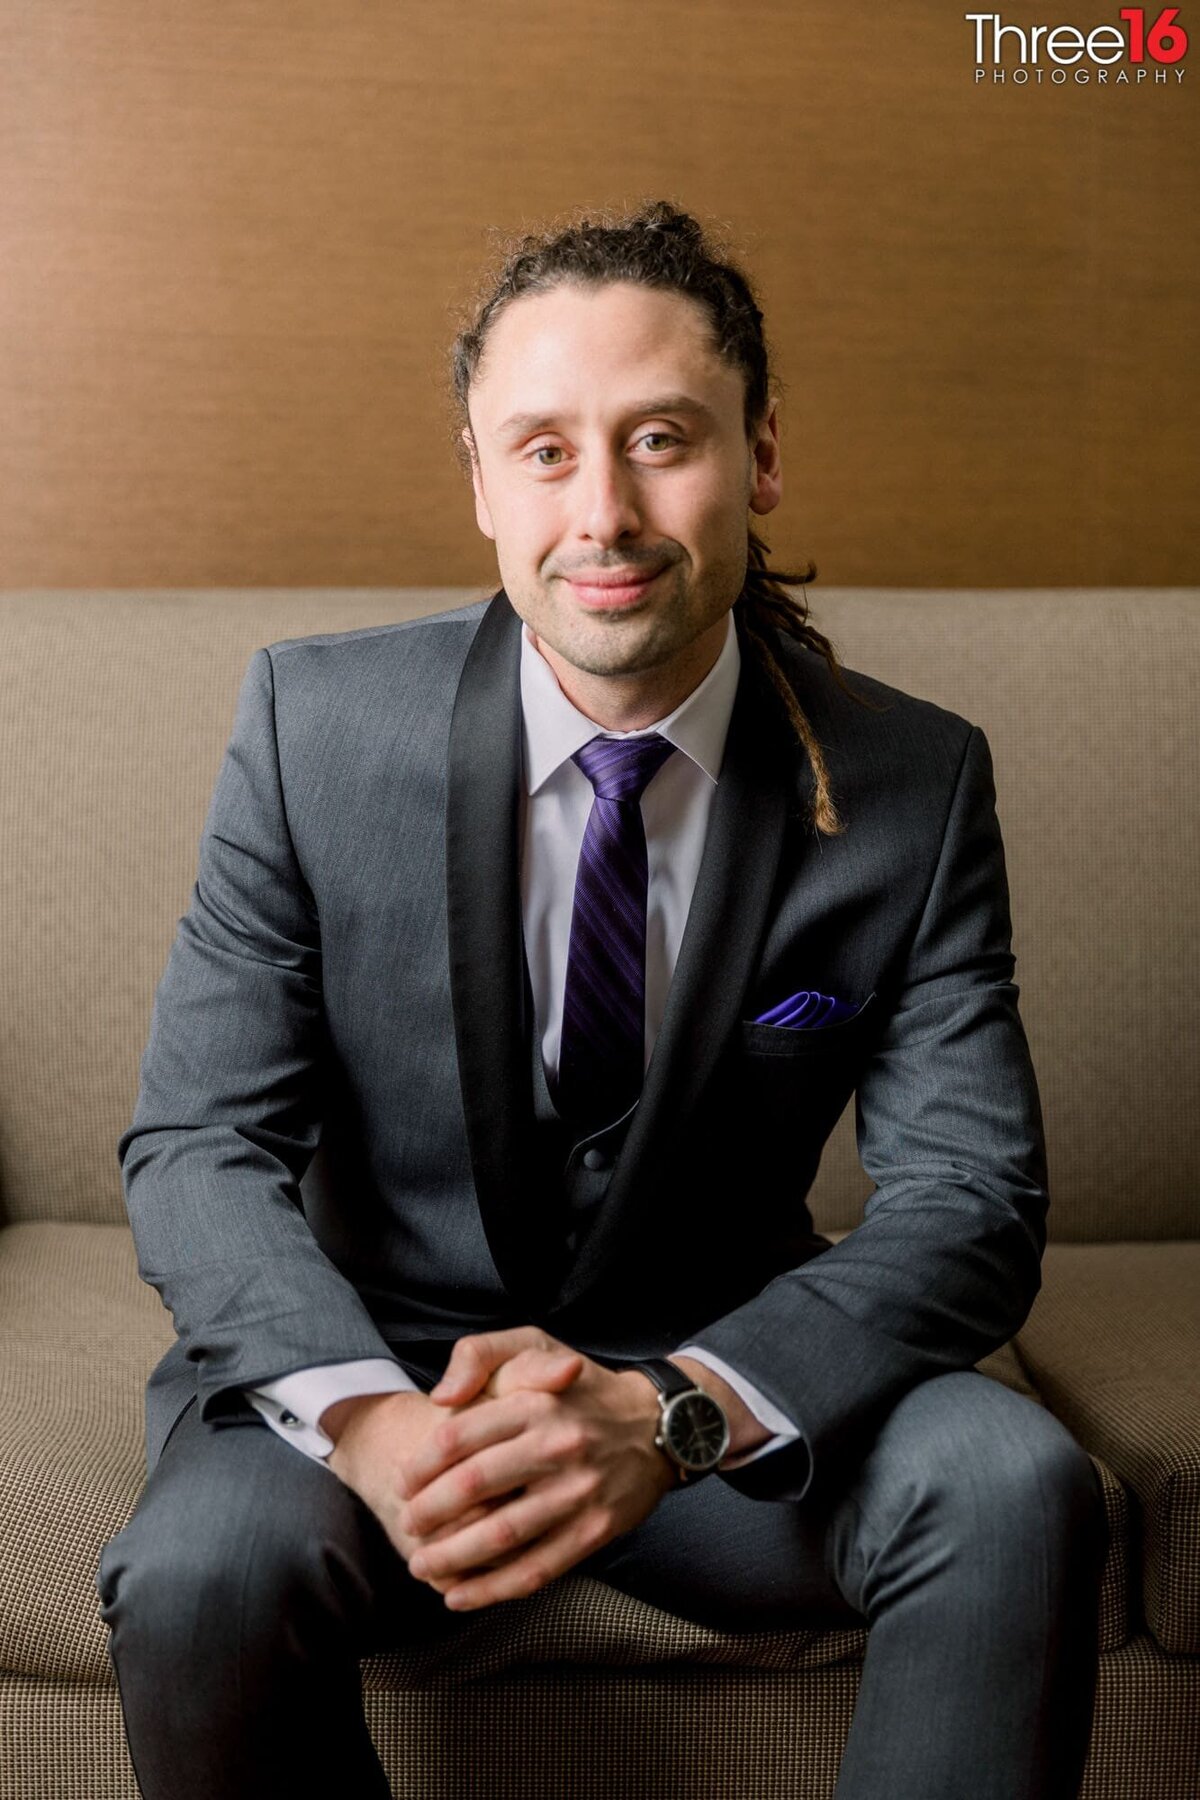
x,y
114,711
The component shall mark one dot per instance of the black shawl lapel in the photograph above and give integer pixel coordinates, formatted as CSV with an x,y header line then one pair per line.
x,y
488,987
725,926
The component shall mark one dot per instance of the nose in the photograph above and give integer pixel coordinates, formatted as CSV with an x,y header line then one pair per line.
x,y
608,500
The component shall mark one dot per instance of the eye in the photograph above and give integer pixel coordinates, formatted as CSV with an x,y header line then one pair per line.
x,y
544,449
667,436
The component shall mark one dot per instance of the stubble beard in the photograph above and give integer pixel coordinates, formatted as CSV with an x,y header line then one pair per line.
x,y
628,642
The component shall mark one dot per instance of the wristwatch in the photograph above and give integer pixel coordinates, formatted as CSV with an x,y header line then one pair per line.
x,y
693,1431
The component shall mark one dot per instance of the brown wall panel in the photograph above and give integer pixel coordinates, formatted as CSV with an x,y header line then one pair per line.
x,y
233,237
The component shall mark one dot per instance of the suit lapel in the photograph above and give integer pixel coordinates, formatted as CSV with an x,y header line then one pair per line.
x,y
717,956
488,984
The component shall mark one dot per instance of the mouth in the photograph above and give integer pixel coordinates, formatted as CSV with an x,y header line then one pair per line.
x,y
611,592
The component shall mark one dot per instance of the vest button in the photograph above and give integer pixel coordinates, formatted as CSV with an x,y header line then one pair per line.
x,y
595,1159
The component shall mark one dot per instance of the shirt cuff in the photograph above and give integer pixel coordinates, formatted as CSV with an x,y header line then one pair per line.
x,y
763,1410
293,1404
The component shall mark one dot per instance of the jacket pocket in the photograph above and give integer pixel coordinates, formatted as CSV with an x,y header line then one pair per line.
x,y
822,1041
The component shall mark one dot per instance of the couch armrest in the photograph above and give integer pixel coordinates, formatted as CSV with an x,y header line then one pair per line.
x,y
1113,1347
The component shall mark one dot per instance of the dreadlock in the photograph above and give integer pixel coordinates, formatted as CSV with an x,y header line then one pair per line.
x,y
662,247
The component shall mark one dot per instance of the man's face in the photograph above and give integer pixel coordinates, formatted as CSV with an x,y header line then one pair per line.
x,y
608,447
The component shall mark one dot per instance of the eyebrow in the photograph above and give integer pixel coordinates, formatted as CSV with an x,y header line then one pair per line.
x,y
518,424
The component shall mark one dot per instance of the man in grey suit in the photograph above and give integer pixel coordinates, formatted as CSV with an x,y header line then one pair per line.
x,y
535,949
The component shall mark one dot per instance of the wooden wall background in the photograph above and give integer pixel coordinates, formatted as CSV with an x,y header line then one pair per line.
x,y
234,235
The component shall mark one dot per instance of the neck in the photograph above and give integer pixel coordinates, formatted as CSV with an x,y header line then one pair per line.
x,y
630,702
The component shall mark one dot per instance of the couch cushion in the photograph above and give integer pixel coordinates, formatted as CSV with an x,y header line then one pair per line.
x,y
80,1332
593,1734
114,713
1113,1346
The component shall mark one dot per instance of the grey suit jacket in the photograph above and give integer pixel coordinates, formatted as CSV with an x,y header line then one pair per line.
x,y
334,1153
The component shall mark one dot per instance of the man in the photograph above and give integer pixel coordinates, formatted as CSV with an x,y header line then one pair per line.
x,y
568,923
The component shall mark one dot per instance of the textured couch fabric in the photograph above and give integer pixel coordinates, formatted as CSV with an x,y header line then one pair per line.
x,y
1108,1386
81,1464
114,712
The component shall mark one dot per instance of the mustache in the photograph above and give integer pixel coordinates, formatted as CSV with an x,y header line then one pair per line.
x,y
626,562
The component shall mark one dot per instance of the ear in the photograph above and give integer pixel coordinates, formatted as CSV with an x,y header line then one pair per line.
x,y
766,471
483,517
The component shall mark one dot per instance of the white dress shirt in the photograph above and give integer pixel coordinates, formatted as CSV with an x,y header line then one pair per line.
x,y
557,801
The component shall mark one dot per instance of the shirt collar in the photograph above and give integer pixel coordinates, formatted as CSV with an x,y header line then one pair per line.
x,y
553,729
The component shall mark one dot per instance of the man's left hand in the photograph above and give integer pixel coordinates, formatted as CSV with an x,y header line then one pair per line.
x,y
579,1466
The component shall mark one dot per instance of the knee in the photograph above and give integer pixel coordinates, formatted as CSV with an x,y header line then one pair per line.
x,y
980,1487
208,1589
1014,1477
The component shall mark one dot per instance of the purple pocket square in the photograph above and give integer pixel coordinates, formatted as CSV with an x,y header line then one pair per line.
x,y
808,1011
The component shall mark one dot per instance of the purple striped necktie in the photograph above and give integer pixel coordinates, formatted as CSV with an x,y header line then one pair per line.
x,y
602,1050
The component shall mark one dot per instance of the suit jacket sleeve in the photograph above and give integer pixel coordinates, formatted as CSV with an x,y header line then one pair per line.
x,y
946,1263
227,1115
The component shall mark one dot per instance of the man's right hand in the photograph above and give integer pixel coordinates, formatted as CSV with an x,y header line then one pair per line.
x,y
374,1433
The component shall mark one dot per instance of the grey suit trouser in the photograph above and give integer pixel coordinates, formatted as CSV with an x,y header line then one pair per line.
x,y
970,1537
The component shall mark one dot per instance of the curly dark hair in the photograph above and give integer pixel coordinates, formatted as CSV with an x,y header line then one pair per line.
x,y
661,246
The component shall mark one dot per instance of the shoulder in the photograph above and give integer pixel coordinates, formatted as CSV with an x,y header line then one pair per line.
x,y
872,718
416,661
895,761
440,634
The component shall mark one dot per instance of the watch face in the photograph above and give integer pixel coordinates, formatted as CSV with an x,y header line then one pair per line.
x,y
695,1431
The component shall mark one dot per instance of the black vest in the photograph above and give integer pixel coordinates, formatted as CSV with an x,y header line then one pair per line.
x,y
577,1168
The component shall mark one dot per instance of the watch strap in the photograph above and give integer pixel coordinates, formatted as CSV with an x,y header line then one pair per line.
x,y
667,1378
